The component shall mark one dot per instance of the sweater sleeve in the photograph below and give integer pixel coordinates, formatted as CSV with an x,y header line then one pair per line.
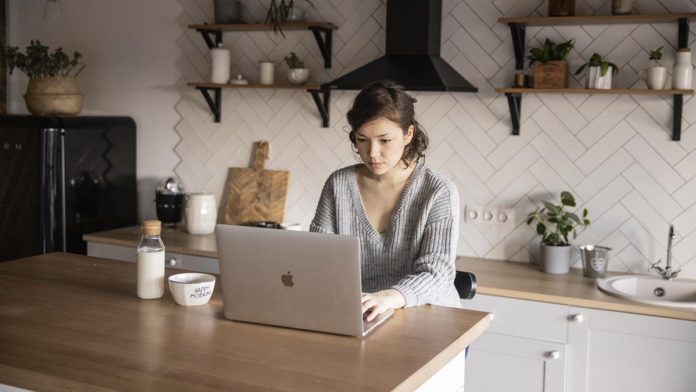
x,y
434,268
325,217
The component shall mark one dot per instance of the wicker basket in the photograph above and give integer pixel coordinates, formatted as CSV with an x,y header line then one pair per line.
x,y
59,104
57,95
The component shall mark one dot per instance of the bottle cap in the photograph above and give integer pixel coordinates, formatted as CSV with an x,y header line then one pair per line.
x,y
152,227
684,50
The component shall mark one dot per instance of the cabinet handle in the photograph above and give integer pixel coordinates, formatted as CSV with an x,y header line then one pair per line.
x,y
172,261
577,318
553,354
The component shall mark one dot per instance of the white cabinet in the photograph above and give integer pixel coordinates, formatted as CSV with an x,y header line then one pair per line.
x,y
524,349
615,351
172,260
537,346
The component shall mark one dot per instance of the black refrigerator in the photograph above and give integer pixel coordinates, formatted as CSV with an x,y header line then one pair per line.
x,y
62,177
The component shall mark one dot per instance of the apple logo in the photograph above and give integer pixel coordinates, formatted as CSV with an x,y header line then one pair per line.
x,y
287,279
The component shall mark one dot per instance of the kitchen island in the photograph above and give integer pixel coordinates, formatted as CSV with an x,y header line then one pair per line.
x,y
71,322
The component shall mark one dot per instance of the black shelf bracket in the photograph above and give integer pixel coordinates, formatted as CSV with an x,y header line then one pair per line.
x,y
214,104
323,105
324,43
677,117
515,104
209,35
518,32
683,40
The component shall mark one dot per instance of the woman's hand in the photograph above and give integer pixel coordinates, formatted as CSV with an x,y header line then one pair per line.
x,y
376,303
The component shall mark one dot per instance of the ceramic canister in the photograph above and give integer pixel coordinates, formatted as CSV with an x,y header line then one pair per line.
x,y
201,213
683,70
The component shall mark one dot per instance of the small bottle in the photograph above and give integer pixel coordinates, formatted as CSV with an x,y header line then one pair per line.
x,y
151,261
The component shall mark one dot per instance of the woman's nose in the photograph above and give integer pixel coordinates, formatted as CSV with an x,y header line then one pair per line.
x,y
374,150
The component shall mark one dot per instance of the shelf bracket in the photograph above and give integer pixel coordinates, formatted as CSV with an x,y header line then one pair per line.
x,y
677,117
324,43
518,32
515,103
208,35
683,40
214,104
323,106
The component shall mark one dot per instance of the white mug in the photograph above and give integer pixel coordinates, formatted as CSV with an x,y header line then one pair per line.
x,y
201,213
266,69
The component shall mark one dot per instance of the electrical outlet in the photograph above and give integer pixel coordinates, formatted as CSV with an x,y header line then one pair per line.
x,y
488,215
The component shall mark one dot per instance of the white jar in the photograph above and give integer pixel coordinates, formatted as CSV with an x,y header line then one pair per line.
x,y
201,213
220,65
266,72
683,70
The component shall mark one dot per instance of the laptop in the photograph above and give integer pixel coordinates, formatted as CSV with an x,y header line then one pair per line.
x,y
292,279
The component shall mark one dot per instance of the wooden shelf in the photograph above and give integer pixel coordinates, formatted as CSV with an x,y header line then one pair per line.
x,y
615,91
263,26
597,19
307,86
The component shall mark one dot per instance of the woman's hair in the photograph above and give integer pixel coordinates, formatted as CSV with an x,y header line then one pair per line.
x,y
386,99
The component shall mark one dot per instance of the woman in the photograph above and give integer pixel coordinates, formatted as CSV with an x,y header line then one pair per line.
x,y
406,215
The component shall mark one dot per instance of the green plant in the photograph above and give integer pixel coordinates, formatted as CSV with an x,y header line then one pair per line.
x,y
278,11
565,221
656,54
550,51
39,63
293,61
597,61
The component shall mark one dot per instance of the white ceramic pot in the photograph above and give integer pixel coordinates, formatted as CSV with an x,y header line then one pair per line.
x,y
555,259
657,78
596,80
298,75
201,213
683,70
266,72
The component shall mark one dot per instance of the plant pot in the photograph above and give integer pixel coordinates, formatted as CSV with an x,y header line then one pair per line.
x,y
657,78
295,14
228,11
57,95
552,74
596,80
561,7
555,259
298,75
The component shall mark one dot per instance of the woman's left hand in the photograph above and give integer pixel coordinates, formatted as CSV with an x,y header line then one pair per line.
x,y
376,303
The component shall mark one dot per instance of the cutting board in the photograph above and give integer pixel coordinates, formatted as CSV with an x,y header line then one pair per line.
x,y
255,194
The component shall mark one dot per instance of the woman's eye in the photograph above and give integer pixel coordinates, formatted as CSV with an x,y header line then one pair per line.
x,y
361,140
385,141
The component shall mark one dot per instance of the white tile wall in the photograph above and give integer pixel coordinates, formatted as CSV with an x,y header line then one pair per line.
x,y
613,152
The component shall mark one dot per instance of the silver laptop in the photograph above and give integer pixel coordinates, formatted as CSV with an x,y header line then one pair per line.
x,y
293,279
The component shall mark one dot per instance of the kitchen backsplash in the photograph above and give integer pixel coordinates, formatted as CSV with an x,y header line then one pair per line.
x,y
613,152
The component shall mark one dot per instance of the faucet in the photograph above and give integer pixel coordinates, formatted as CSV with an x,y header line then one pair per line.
x,y
667,272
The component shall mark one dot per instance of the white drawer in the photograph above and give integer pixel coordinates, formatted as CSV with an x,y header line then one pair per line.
x,y
517,317
173,260
201,264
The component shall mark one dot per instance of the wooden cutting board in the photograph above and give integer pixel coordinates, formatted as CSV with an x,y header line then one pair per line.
x,y
255,194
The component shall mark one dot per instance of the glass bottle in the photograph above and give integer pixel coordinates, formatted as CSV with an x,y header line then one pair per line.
x,y
150,261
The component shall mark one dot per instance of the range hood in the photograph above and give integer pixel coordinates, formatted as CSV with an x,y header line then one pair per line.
x,y
413,52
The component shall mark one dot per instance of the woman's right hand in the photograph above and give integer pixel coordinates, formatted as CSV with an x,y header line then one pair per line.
x,y
374,304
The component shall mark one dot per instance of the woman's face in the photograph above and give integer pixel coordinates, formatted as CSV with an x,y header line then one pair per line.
x,y
381,143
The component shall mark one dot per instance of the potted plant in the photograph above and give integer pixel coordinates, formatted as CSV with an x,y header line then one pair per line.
x,y
657,74
550,65
598,75
51,88
555,250
280,11
297,73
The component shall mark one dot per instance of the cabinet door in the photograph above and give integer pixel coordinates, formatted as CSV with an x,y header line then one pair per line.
x,y
499,362
629,352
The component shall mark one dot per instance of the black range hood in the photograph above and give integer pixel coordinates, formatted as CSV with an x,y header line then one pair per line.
x,y
413,52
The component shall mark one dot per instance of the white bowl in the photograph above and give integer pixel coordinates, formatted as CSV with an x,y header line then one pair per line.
x,y
192,288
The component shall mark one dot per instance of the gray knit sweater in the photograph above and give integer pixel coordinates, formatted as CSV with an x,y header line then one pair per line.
x,y
416,254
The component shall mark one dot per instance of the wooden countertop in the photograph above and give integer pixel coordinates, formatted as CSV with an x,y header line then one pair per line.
x,y
495,277
525,281
73,322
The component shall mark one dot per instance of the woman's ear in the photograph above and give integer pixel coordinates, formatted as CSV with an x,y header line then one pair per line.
x,y
409,134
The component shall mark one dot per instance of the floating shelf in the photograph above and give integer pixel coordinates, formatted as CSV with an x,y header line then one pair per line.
x,y
320,95
518,27
323,34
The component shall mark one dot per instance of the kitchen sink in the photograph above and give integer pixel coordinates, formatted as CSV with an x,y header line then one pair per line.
x,y
651,290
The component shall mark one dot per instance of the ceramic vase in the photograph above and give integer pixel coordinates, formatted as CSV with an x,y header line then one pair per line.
x,y
266,72
298,75
555,259
657,78
201,213
683,70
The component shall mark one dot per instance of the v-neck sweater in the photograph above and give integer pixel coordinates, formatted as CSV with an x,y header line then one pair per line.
x,y
416,253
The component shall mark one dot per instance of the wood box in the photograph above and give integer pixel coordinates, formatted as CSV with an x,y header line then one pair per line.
x,y
553,74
